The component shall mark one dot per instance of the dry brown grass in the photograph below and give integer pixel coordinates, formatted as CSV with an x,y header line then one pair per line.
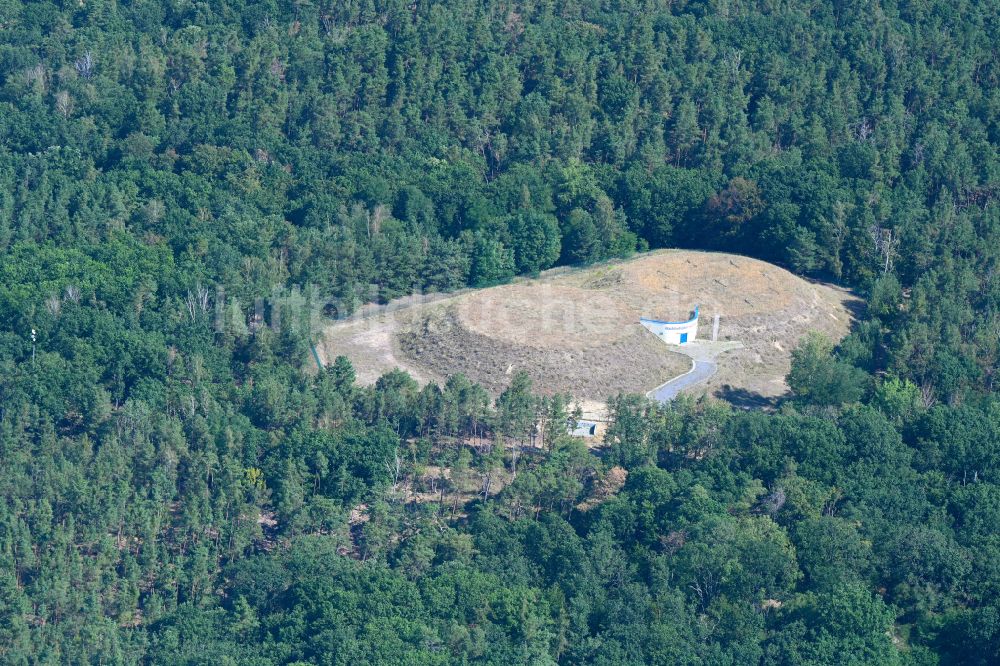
x,y
624,359
577,331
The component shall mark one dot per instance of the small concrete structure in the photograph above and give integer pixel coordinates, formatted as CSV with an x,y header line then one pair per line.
x,y
584,429
673,332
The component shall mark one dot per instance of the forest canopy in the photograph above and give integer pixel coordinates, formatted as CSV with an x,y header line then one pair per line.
x,y
180,484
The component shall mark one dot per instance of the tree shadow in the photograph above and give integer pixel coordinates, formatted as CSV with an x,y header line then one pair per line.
x,y
857,308
744,399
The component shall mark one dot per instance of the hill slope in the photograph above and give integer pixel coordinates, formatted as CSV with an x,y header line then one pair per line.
x,y
578,331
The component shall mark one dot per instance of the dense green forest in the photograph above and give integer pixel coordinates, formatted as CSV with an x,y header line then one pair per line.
x,y
180,485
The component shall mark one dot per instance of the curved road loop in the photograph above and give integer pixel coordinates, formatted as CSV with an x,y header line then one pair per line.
x,y
699,372
703,366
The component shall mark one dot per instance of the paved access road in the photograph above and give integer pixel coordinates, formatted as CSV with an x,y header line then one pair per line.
x,y
701,371
703,365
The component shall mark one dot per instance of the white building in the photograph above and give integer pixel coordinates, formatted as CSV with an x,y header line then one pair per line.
x,y
673,332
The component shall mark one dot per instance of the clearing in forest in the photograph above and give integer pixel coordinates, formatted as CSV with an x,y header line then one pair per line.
x,y
577,331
